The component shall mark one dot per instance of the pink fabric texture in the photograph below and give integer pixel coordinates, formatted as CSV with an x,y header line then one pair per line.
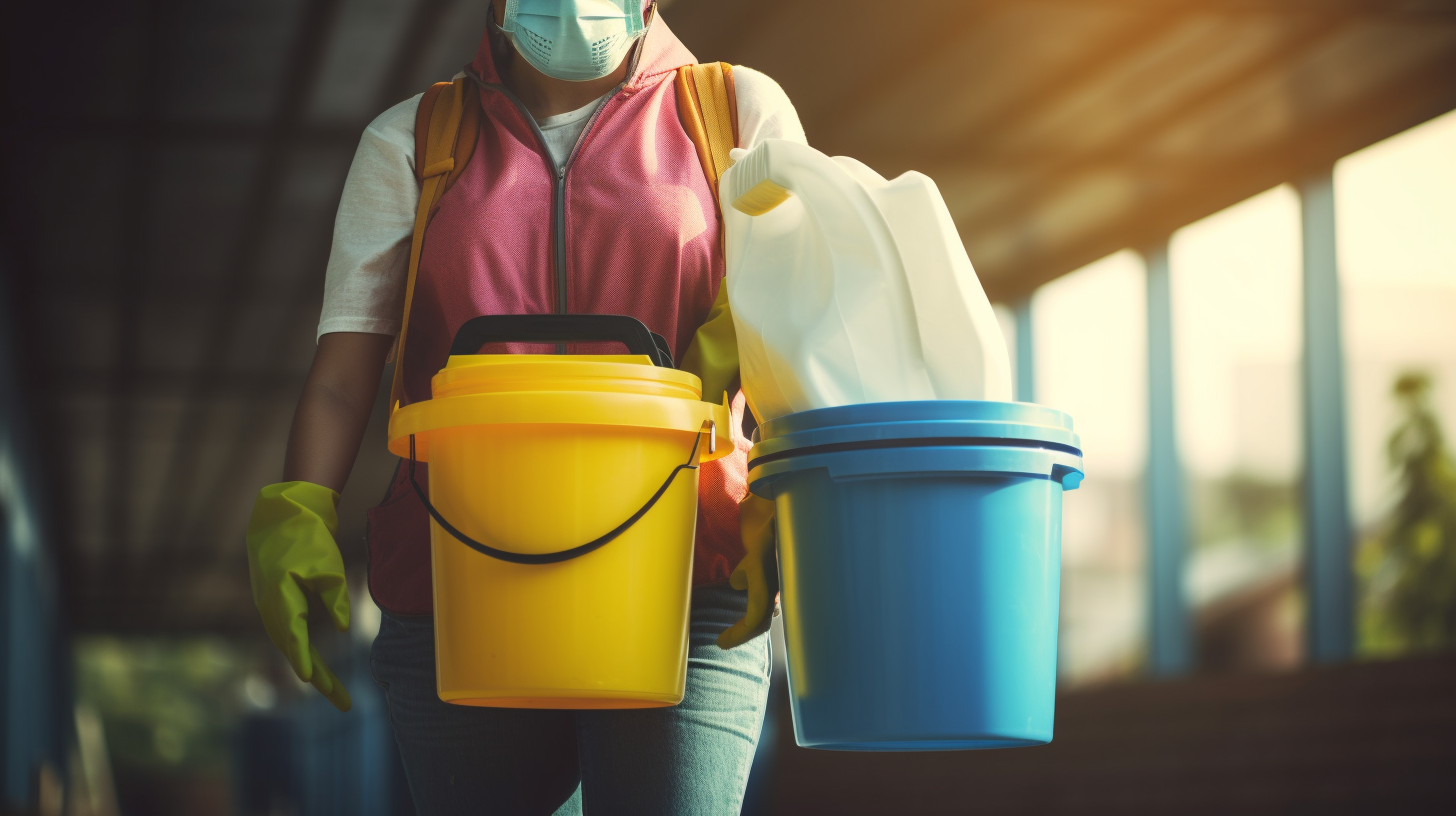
x,y
641,239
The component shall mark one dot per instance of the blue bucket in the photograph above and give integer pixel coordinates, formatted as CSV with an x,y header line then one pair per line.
x,y
920,557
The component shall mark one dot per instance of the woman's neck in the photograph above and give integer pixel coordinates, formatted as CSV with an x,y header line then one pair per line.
x,y
547,96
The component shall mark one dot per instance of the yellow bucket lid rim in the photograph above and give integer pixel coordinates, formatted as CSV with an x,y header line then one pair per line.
x,y
552,389
558,408
483,374
488,373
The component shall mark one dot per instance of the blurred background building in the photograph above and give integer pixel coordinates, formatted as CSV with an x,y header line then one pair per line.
x,y
1222,234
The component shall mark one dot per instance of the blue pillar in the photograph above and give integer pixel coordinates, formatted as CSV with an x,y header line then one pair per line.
x,y
1168,630
1329,585
1025,353
35,705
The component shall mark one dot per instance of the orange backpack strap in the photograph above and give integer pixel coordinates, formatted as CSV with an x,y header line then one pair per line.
x,y
709,110
446,125
422,125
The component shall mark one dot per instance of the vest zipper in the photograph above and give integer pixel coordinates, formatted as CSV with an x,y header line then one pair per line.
x,y
561,198
558,227
559,194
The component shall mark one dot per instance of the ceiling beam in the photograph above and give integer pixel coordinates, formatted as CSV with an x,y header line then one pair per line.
x,y
176,133
1376,9
1090,62
1419,95
135,253
411,51
1151,25
918,54
228,481
345,135
23,268
1046,179
1085,69
71,382
300,77
726,28
231,479
406,64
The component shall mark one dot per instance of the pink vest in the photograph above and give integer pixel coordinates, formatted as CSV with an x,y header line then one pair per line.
x,y
640,238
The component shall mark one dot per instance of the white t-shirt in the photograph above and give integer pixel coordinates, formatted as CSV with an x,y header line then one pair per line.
x,y
369,262
562,130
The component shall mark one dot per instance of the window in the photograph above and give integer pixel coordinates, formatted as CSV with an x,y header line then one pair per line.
x,y
1089,341
1395,206
1236,355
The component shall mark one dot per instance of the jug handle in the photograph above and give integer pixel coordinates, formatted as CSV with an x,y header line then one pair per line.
x,y
753,175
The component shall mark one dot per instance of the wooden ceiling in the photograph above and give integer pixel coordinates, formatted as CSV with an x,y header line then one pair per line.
x,y
1060,131
171,191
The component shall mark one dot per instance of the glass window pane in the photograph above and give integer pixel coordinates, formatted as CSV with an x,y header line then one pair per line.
x,y
1090,345
1236,353
1395,205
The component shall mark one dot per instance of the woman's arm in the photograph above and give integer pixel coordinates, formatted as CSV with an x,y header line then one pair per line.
x,y
333,410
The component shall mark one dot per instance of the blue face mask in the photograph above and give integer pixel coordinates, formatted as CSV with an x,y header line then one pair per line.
x,y
573,39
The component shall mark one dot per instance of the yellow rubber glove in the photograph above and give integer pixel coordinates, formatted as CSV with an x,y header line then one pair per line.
x,y
291,551
713,356
758,572
713,353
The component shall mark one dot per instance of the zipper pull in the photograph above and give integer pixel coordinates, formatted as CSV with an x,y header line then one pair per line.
x,y
561,172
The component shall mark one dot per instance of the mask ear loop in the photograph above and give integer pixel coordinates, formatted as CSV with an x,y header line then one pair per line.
x,y
638,18
508,20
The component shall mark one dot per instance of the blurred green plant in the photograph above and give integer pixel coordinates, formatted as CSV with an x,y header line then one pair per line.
x,y
166,704
1260,510
1409,569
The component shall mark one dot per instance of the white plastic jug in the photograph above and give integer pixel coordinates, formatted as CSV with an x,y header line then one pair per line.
x,y
848,288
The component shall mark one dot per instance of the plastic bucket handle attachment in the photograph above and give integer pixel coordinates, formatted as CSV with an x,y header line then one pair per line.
x,y
552,328
626,330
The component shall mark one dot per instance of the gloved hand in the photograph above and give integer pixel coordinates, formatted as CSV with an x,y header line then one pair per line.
x,y
713,353
758,572
291,551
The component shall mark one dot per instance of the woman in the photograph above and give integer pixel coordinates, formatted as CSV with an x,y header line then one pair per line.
x,y
583,195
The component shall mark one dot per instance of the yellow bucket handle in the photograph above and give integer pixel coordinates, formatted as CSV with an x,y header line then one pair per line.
x,y
563,555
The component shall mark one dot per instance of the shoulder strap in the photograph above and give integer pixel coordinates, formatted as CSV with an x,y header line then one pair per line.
x,y
709,110
445,129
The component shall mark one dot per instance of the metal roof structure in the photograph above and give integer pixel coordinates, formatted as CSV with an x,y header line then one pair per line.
x,y
176,167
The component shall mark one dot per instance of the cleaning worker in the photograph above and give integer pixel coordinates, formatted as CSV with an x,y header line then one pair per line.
x,y
577,189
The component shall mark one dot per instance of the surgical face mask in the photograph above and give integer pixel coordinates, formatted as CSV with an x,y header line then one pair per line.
x,y
573,39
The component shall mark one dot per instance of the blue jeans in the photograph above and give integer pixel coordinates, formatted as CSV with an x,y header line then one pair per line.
x,y
692,758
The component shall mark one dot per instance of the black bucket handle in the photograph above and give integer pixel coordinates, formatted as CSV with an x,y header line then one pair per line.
x,y
562,328
560,555
629,331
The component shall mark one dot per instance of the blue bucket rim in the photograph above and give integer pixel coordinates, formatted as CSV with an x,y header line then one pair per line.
x,y
921,423
968,460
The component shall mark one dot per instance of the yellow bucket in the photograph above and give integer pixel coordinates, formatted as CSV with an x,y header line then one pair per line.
x,y
563,492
